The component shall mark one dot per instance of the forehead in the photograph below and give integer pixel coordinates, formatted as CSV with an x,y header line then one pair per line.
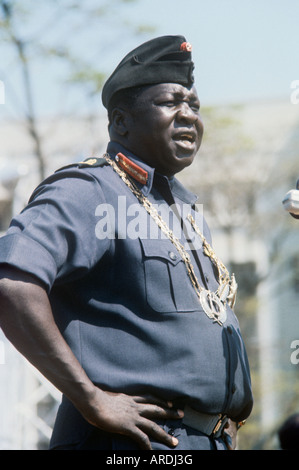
x,y
180,91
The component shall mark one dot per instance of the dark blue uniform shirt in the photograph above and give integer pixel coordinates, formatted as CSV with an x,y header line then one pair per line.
x,y
120,291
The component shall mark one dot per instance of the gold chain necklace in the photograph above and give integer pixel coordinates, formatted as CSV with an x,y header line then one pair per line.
x,y
213,303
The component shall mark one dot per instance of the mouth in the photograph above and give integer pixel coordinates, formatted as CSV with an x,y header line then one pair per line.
x,y
185,139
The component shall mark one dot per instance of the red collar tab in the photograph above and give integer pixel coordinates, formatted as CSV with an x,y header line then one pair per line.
x,y
138,173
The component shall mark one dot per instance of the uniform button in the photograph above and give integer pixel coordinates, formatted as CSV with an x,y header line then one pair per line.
x,y
207,278
172,256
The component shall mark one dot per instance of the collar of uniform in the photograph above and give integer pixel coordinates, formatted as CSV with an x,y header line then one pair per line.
x,y
114,148
176,187
181,192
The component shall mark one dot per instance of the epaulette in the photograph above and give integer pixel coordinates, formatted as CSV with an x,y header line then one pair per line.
x,y
89,162
93,161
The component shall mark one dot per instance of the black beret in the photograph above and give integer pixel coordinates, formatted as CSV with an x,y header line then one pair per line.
x,y
165,59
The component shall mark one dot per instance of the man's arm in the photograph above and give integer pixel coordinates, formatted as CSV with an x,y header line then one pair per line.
x,y
26,319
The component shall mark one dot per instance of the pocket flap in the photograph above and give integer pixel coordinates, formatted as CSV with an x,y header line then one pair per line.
x,y
160,249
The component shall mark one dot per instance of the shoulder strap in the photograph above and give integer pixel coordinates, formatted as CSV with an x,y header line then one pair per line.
x,y
89,162
93,161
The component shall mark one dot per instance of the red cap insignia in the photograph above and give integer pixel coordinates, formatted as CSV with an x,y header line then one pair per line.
x,y
186,46
138,173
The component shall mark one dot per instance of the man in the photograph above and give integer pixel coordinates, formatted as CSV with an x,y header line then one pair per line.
x,y
128,315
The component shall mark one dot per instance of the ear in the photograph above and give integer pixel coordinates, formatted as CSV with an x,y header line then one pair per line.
x,y
119,121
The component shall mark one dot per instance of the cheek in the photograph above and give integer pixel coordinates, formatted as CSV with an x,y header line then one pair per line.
x,y
154,127
201,124
200,130
159,133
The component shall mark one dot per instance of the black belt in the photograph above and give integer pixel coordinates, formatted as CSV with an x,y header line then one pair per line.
x,y
211,425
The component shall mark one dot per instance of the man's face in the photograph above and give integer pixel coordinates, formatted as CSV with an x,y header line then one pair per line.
x,y
165,128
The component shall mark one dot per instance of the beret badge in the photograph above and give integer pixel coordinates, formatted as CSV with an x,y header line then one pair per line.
x,y
186,47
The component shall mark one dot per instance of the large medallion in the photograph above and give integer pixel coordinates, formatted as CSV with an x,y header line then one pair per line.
x,y
213,306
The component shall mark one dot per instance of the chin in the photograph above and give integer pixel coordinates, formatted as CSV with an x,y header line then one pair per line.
x,y
179,165
182,161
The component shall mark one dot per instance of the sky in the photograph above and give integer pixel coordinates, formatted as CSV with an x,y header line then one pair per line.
x,y
243,50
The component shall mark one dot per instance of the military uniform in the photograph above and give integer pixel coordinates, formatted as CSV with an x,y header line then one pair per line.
x,y
121,288
124,303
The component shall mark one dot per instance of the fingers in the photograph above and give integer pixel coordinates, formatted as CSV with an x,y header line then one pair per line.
x,y
136,417
147,429
155,408
148,410
153,400
157,412
141,439
157,433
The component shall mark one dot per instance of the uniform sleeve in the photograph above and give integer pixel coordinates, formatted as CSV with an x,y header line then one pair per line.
x,y
54,237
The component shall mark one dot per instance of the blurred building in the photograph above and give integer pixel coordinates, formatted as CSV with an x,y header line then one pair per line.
x,y
248,161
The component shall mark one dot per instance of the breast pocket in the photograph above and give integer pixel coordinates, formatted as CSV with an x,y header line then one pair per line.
x,y
168,287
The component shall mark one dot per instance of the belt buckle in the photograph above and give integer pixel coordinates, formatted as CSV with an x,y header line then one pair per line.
x,y
219,423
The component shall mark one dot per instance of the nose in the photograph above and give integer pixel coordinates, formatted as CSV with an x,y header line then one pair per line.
x,y
187,114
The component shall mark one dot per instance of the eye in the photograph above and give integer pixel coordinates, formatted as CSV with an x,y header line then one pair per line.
x,y
195,108
168,103
167,100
